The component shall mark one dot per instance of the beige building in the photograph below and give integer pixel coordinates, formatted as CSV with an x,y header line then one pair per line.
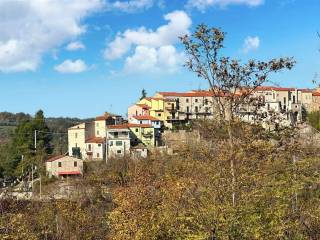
x,y
64,166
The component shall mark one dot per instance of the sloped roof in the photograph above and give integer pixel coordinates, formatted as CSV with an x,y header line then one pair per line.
x,y
139,125
143,106
95,140
55,158
146,117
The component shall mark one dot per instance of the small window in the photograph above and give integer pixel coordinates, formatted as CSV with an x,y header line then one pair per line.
x,y
76,135
206,101
89,147
111,143
59,164
196,109
98,132
140,122
99,145
75,164
98,155
196,100
159,114
119,151
97,124
137,129
187,100
118,143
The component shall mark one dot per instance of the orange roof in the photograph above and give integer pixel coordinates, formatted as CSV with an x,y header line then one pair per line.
x,y
152,98
95,140
306,90
270,88
146,118
105,116
120,126
198,93
139,125
55,158
316,94
143,106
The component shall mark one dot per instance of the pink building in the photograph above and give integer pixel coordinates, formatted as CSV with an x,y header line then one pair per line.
x,y
138,110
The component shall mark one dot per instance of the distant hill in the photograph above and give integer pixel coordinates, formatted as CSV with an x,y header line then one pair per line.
x,y
58,126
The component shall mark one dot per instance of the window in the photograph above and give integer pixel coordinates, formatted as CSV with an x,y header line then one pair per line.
x,y
98,132
188,109
206,101
140,122
137,129
116,134
97,124
196,100
89,147
196,109
118,143
99,145
59,164
159,114
111,143
75,164
207,109
98,155
119,151
294,99
187,100
76,144
76,135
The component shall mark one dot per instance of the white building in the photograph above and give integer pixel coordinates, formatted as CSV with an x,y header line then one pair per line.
x,y
118,141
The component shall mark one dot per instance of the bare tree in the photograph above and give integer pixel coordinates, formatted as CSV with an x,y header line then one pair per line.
x,y
231,82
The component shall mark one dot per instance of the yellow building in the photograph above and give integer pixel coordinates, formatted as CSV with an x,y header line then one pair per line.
x,y
142,133
156,107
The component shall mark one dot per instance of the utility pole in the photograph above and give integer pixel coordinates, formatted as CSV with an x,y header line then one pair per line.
x,y
35,140
32,177
40,187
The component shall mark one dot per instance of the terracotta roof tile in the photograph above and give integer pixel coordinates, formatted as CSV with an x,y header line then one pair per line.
x,y
143,106
95,140
122,126
55,158
146,118
139,125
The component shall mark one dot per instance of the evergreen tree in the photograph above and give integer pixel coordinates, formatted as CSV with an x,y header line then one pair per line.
x,y
143,94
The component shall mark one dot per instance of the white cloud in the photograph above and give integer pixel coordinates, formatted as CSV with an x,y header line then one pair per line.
x,y
69,66
151,46
203,4
149,59
251,44
130,6
30,29
74,46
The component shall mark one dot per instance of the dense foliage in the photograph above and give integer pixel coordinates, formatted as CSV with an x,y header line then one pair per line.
x,y
17,140
188,195
314,119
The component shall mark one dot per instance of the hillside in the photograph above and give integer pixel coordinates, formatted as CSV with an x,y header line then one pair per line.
x,y
58,128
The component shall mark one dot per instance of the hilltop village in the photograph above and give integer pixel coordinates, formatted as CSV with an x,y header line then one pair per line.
x,y
111,136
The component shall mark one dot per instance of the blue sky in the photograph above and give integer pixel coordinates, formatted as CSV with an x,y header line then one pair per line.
x,y
79,58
